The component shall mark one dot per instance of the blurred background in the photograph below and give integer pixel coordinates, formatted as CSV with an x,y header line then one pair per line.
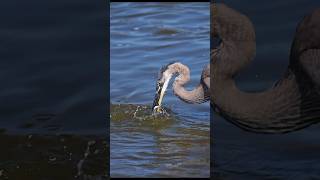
x,y
53,95
243,155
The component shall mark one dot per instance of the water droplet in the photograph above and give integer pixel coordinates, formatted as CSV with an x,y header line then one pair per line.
x,y
52,158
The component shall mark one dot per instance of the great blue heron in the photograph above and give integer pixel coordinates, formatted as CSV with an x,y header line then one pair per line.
x,y
198,95
292,103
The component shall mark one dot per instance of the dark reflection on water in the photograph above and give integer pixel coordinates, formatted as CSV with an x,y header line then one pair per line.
x,y
53,90
243,155
144,37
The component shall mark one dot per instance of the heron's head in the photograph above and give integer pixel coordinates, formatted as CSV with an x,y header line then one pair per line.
x,y
166,73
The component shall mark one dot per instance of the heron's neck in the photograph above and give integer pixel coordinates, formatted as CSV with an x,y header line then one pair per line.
x,y
197,95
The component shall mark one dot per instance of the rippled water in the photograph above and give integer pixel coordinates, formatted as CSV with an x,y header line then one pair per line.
x,y
242,155
143,38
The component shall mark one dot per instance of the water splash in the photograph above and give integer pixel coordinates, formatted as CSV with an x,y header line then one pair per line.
x,y
141,115
86,154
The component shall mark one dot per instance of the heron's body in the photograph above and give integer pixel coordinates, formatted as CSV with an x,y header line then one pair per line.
x,y
198,95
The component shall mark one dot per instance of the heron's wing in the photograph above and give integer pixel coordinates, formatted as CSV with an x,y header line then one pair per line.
x,y
205,76
205,81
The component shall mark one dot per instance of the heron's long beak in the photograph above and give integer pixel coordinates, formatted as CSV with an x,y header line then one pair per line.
x,y
161,89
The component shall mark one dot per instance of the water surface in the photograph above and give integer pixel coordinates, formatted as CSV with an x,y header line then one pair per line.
x,y
144,37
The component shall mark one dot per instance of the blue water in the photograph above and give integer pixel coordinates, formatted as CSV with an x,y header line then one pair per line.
x,y
143,38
